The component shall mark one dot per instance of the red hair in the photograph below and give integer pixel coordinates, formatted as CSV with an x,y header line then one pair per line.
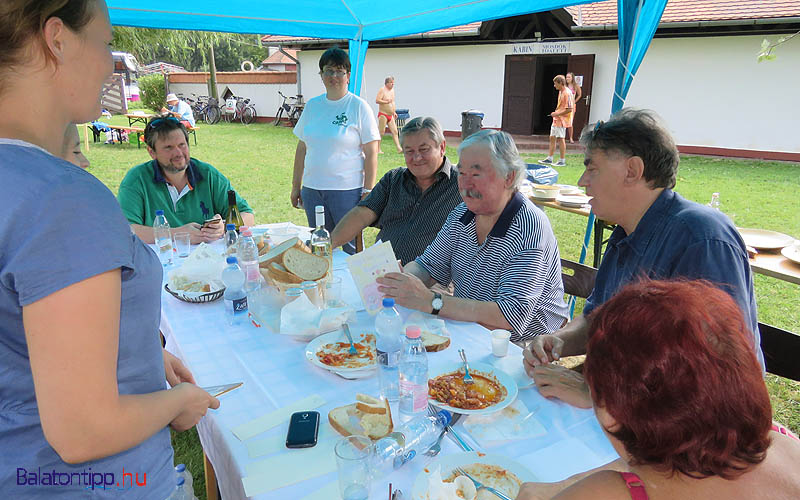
x,y
671,362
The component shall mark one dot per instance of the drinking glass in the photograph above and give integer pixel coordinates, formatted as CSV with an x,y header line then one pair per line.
x,y
333,291
353,465
183,244
500,340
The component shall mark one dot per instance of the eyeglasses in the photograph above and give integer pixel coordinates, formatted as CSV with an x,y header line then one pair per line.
x,y
333,72
158,122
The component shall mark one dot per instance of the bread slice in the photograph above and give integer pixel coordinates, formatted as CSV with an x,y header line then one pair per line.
x,y
276,253
304,265
281,276
367,404
348,420
434,342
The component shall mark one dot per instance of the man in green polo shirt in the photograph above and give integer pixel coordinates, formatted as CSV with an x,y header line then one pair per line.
x,y
189,191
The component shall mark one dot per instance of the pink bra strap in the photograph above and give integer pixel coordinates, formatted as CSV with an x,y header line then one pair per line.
x,y
635,485
783,430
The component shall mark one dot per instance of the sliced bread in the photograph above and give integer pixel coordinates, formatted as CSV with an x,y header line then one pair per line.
x,y
434,342
304,265
275,273
275,253
368,404
348,420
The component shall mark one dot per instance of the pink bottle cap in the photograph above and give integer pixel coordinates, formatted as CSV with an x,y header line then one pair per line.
x,y
245,231
413,332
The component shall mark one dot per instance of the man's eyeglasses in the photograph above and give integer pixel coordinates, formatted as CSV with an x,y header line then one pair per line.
x,y
158,122
339,73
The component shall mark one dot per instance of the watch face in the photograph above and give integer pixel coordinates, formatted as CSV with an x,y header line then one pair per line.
x,y
437,303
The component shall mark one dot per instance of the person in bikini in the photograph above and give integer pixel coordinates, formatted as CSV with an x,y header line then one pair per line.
x,y
678,390
386,111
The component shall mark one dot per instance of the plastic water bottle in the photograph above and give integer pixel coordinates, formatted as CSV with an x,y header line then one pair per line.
x,y
234,296
714,201
247,253
389,329
182,471
413,438
179,493
231,236
413,369
163,238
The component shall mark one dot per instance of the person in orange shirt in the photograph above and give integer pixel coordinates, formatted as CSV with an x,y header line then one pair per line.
x,y
562,118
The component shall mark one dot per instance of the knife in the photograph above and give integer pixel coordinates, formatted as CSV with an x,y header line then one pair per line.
x,y
454,435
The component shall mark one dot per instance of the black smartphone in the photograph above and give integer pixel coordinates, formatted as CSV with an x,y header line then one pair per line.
x,y
303,429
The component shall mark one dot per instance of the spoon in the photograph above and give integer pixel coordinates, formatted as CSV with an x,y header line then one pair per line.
x,y
467,377
346,329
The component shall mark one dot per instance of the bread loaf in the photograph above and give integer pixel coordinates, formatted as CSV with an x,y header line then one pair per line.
x,y
307,266
276,253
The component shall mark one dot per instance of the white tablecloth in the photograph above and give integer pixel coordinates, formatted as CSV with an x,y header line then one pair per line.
x,y
275,374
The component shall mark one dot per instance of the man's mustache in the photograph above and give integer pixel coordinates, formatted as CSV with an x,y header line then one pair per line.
x,y
470,193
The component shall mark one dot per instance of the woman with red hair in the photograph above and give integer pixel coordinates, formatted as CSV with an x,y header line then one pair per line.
x,y
679,392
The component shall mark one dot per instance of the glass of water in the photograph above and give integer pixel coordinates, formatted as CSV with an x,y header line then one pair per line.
x,y
183,244
353,465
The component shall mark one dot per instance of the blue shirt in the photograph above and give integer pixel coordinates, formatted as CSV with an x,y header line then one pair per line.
x,y
62,226
677,238
184,110
518,266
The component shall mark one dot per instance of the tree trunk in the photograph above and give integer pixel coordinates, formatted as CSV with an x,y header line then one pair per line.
x,y
212,81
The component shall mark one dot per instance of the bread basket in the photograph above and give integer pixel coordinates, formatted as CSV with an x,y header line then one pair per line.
x,y
195,299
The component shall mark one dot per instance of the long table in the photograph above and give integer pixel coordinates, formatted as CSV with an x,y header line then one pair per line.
x,y
599,225
275,374
777,266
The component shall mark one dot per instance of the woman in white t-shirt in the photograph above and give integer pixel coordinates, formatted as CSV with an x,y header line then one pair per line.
x,y
336,160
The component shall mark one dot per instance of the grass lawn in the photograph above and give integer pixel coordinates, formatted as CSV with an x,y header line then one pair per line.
x,y
258,161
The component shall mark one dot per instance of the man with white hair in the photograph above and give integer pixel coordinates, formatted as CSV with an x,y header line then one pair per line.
x,y
180,110
497,248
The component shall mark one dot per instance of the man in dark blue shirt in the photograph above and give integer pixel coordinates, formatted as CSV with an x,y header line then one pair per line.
x,y
631,166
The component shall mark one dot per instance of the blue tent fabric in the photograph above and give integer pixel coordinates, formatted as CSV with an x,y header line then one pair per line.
x,y
358,53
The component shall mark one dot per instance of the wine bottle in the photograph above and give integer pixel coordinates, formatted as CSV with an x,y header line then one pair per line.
x,y
321,238
233,217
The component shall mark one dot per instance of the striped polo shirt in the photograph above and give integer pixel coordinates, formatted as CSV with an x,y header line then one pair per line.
x,y
518,266
408,217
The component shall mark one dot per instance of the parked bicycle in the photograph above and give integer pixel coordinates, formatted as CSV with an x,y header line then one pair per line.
x,y
239,108
292,107
204,108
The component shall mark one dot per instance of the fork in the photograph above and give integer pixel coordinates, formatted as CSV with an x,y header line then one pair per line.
x,y
481,486
467,377
346,329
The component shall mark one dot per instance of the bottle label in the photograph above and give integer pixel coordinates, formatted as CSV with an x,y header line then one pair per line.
x,y
409,456
388,359
240,305
419,394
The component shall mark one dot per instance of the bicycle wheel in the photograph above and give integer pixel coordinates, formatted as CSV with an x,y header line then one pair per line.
x,y
278,116
248,115
212,115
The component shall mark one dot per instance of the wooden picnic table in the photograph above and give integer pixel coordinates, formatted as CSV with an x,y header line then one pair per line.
x,y
134,118
599,225
775,265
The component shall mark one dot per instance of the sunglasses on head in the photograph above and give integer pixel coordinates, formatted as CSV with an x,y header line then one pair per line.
x,y
160,121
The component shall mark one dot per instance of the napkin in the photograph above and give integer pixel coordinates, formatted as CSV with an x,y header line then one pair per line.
x,y
301,318
561,460
512,423
204,265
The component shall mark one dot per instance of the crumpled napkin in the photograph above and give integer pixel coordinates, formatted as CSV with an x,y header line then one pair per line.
x,y
203,265
301,319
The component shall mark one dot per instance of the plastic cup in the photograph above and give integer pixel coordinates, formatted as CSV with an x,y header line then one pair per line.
x,y
500,340
183,243
333,291
353,465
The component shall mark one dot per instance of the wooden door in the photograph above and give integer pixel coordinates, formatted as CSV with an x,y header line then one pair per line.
x,y
518,95
583,68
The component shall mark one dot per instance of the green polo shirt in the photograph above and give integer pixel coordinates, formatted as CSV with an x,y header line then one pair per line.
x,y
144,190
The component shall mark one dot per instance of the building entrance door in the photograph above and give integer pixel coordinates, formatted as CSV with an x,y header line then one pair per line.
x,y
583,68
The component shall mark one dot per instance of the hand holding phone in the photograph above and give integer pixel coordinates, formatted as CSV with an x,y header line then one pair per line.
x,y
303,429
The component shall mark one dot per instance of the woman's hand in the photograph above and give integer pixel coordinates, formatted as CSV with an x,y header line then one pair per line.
x,y
175,371
196,403
295,199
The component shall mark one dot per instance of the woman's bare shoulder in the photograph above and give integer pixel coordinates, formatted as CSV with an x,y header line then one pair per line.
x,y
606,484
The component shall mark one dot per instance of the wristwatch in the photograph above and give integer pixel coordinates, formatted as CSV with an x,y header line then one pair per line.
x,y
436,303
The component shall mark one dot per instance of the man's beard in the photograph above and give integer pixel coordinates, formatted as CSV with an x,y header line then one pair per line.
x,y
172,170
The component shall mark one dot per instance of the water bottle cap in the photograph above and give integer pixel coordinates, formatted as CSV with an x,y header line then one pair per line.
x,y
446,416
231,260
413,332
159,212
245,231
230,227
319,209
180,481
180,467
388,302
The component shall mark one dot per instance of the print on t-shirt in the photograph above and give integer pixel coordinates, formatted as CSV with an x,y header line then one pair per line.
x,y
341,120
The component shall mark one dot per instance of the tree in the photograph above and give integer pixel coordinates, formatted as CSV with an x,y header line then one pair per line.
x,y
767,47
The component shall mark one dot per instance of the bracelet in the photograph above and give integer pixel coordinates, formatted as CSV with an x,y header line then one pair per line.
x,y
365,191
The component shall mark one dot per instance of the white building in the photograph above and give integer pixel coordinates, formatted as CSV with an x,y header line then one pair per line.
x,y
700,73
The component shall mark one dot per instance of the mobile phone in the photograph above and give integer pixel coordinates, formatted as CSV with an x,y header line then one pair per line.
x,y
210,221
303,429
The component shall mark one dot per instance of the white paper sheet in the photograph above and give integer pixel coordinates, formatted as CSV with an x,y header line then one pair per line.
x,y
270,420
290,468
560,460
514,422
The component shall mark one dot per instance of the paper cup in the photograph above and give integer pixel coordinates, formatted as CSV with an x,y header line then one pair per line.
x,y
500,340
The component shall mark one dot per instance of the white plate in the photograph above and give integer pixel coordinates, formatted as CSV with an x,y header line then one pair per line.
x,y
792,252
448,462
763,239
329,338
505,380
572,201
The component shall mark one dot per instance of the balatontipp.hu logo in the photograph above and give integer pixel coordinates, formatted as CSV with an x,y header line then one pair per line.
x,y
86,479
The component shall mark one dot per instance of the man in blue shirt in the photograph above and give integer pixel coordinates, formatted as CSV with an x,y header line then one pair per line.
x,y
631,165
180,110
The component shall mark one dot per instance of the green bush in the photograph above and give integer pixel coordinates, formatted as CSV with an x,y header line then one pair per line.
x,y
153,92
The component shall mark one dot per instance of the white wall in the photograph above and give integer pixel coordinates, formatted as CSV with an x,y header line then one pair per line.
x,y
263,95
711,91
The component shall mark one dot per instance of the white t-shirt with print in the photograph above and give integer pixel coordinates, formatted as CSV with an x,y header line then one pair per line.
x,y
333,132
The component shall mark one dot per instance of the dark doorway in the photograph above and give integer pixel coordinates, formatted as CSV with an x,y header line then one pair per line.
x,y
545,96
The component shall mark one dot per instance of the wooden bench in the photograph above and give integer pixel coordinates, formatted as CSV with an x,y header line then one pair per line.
x,y
139,131
192,131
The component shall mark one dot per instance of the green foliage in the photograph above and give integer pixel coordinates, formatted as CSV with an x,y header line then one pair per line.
x,y
153,91
767,47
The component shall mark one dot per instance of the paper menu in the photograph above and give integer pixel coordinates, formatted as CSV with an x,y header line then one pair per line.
x,y
368,266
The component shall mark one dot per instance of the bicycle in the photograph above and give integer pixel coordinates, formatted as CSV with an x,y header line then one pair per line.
x,y
293,106
207,110
242,109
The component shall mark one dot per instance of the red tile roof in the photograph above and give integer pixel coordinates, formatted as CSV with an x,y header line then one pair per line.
x,y
280,58
464,29
599,13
